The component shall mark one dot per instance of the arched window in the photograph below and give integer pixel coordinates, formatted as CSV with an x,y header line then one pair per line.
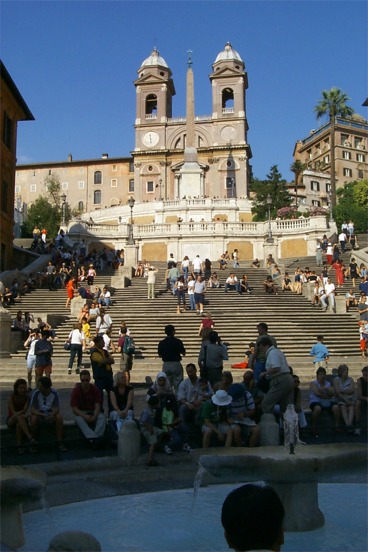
x,y
80,206
227,98
97,177
97,197
151,105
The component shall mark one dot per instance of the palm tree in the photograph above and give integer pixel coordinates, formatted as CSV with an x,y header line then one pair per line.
x,y
297,168
333,104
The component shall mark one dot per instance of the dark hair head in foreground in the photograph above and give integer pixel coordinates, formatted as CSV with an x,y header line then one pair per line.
x,y
252,517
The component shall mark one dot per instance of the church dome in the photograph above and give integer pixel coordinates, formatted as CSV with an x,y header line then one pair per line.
x,y
228,53
155,59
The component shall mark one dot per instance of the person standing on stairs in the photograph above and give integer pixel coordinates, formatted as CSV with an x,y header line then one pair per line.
x,y
77,342
171,350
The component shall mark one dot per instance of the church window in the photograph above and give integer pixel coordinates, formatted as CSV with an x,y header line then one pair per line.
x,y
97,197
150,168
131,185
228,99
131,165
80,206
150,187
360,173
97,177
151,105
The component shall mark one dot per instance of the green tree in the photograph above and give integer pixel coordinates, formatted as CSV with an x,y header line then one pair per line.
x,y
333,104
275,187
352,205
297,168
46,211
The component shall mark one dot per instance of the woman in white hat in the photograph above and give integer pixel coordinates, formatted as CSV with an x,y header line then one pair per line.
x,y
215,415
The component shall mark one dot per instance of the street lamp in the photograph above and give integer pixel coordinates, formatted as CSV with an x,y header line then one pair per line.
x,y
63,199
269,203
330,197
131,202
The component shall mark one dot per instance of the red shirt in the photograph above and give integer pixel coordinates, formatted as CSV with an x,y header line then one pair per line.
x,y
85,400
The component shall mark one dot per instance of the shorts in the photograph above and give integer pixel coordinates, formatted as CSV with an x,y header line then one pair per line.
x,y
41,370
199,298
151,438
222,427
31,362
126,362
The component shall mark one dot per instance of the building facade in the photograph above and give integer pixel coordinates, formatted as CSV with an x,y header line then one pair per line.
x,y
351,160
13,109
153,171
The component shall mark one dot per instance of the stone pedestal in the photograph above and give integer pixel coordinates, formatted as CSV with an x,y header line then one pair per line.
x,y
130,256
340,302
269,431
129,443
5,341
76,306
269,248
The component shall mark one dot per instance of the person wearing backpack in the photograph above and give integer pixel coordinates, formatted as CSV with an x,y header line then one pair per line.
x,y
126,347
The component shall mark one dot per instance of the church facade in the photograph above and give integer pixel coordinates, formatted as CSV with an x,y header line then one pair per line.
x,y
154,170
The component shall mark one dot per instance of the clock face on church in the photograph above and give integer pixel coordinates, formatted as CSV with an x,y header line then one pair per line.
x,y
150,139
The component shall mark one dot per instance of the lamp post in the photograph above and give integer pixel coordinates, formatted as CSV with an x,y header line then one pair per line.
x,y
330,197
63,199
269,203
131,202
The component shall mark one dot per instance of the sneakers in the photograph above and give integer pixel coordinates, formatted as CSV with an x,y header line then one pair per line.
x,y
167,450
69,371
186,447
77,370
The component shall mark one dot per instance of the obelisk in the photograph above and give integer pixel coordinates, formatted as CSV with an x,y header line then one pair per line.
x,y
190,173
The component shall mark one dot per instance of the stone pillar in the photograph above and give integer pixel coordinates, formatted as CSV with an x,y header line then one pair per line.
x,y
130,256
5,332
76,306
129,444
269,431
269,248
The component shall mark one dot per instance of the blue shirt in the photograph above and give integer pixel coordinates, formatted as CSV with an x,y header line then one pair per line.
x,y
319,351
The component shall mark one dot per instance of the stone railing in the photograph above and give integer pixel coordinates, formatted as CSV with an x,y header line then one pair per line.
x,y
219,228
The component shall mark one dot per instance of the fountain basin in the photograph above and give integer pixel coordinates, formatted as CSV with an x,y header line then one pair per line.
x,y
295,478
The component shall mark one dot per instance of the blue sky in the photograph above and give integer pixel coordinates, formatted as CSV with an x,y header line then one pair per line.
x,y
75,62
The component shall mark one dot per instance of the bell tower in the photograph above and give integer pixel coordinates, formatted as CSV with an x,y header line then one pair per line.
x,y
229,83
154,92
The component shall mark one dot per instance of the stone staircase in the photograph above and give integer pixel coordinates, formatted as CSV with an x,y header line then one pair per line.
x,y
291,319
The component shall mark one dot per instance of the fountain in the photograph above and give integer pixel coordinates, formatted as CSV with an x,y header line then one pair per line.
x,y
294,477
18,486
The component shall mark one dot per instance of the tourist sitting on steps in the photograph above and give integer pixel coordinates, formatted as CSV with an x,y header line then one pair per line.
x,y
86,402
322,398
121,400
215,418
232,283
45,412
17,419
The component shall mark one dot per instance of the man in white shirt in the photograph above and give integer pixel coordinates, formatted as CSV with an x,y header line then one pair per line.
x,y
187,391
342,240
232,283
278,373
329,295
197,265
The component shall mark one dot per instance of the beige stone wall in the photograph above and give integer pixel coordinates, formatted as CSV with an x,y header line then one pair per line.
x,y
148,219
293,248
245,217
156,251
245,249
